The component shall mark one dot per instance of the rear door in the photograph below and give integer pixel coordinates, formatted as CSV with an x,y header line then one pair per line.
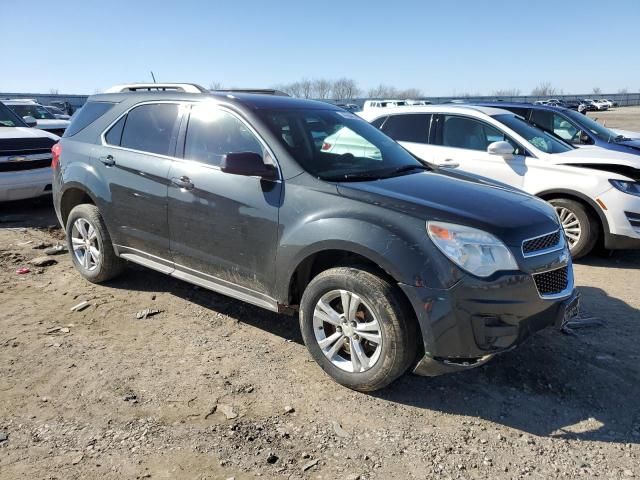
x,y
134,158
411,130
223,227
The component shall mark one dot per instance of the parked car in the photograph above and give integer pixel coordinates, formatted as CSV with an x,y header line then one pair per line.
x,y
577,129
66,107
391,264
611,103
29,109
56,112
594,106
25,158
596,192
352,107
369,104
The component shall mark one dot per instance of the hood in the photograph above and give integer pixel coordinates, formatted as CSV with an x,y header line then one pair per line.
x,y
25,132
51,124
613,161
509,214
626,133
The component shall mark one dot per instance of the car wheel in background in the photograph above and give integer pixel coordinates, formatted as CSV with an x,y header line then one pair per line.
x,y
580,228
90,245
356,327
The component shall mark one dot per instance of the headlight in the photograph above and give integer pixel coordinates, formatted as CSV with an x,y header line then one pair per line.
x,y
477,252
632,188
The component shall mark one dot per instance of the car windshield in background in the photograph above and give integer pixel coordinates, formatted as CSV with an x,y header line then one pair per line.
x,y
9,119
55,110
600,131
339,146
540,139
32,110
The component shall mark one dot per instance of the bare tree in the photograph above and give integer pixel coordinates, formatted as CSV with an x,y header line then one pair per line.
x,y
294,89
322,88
545,89
596,90
345,89
623,90
507,92
382,91
53,91
215,86
306,88
410,93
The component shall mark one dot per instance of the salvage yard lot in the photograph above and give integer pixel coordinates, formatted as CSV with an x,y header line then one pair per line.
x,y
213,388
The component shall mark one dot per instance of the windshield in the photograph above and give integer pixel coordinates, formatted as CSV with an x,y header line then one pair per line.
x,y
338,145
9,119
55,110
540,139
600,131
32,110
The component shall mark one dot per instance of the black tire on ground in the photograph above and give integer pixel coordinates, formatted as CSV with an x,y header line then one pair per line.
x,y
589,226
110,265
398,326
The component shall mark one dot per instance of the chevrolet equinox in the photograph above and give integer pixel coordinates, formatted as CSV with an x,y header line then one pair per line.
x,y
299,206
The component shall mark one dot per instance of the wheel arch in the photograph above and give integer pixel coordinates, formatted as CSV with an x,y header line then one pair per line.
x,y
73,195
591,205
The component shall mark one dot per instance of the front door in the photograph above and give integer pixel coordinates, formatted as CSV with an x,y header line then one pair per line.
x,y
223,227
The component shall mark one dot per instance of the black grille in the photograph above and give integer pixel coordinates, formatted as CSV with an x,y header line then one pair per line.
x,y
541,243
25,165
634,219
25,146
552,282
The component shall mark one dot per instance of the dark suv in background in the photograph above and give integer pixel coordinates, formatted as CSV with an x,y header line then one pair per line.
x,y
391,263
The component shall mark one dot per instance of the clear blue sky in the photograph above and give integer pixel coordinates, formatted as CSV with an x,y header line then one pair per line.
x,y
441,47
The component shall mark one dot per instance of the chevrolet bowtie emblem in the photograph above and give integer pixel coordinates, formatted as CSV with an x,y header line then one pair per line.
x,y
17,158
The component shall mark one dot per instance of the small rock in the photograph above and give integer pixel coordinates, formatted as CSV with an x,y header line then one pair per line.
x,y
147,312
43,261
130,397
76,460
4,436
64,330
352,476
272,458
41,245
628,473
229,413
44,399
339,431
289,409
57,250
309,465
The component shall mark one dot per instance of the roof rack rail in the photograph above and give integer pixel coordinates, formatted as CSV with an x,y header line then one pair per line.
x,y
157,87
263,91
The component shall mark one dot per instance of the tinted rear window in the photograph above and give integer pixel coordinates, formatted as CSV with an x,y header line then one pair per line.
x,y
89,113
151,128
413,127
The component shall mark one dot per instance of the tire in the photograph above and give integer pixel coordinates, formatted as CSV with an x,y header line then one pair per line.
x,y
583,235
378,313
102,264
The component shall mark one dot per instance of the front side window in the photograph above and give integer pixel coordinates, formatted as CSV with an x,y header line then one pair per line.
x,y
540,139
9,119
212,133
412,127
472,134
150,128
32,110
590,125
337,145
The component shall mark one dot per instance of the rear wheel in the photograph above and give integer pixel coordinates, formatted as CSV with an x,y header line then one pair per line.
x,y
580,228
356,327
90,245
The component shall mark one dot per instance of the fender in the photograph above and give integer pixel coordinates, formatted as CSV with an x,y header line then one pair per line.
x,y
581,196
406,254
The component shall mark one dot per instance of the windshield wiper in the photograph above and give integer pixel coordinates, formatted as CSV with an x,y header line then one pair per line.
x,y
408,168
353,177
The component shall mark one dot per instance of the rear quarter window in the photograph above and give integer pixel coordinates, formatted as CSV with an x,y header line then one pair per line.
x,y
90,112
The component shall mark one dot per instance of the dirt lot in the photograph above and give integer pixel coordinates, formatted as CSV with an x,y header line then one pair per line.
x,y
626,118
214,388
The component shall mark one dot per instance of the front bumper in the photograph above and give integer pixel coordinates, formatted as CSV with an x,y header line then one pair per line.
x,y
465,326
623,211
21,185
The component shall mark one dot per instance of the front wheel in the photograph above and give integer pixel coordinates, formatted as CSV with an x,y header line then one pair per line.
x,y
357,328
580,228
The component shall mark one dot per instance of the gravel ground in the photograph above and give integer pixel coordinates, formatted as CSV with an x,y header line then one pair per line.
x,y
212,388
626,118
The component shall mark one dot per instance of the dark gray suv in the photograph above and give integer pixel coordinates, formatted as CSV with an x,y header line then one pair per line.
x,y
300,206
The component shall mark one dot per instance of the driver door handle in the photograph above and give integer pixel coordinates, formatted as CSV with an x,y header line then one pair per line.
x,y
183,182
108,160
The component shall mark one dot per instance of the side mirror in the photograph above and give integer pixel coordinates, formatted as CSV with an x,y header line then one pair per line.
x,y
585,139
501,148
30,121
248,164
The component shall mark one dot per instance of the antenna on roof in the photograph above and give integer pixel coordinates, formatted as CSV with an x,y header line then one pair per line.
x,y
153,76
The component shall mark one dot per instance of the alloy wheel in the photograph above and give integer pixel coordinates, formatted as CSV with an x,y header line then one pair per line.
x,y
86,248
347,331
570,224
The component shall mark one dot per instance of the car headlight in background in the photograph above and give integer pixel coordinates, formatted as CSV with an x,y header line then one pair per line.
x,y
632,188
475,251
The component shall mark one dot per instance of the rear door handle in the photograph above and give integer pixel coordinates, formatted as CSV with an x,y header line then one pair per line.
x,y
108,160
182,182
